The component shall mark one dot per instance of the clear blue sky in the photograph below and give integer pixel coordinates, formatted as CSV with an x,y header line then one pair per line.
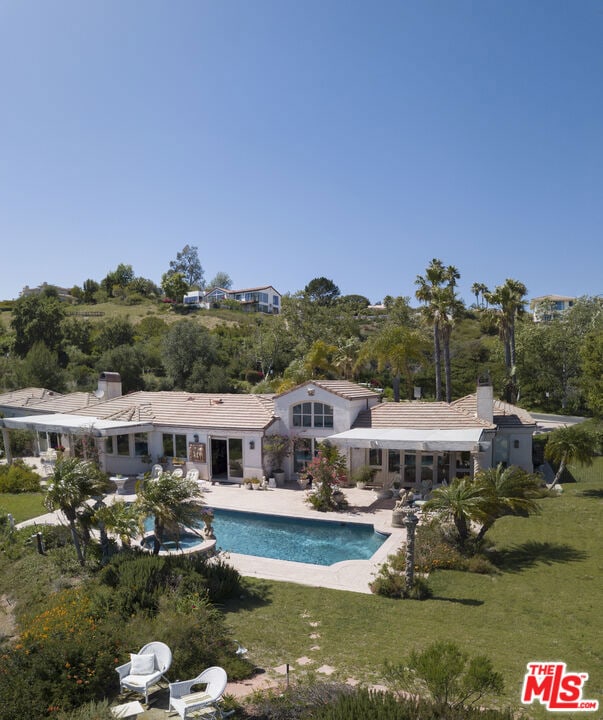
x,y
291,139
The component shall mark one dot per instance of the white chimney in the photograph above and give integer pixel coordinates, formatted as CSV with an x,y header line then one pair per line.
x,y
485,400
109,386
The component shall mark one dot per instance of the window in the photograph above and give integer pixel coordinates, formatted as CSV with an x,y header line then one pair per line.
x,y
174,445
315,414
141,444
123,444
235,457
375,457
275,300
393,461
302,453
410,469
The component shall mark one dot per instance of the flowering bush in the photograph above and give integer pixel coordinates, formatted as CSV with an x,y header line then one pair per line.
x,y
326,472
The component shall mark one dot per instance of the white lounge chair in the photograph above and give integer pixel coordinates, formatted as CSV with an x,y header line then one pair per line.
x,y
193,475
184,702
145,669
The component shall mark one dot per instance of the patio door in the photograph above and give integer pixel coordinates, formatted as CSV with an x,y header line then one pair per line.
x,y
226,458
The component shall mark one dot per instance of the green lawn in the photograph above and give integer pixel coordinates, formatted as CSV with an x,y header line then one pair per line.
x,y
23,506
545,605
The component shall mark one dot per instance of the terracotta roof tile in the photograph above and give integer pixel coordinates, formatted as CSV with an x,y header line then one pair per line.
x,y
343,388
418,415
26,397
505,414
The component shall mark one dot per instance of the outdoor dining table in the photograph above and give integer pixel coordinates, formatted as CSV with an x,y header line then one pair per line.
x,y
120,482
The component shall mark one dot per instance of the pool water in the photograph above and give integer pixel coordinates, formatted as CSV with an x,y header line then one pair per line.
x,y
319,542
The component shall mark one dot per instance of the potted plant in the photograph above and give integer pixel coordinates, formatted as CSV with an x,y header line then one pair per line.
x,y
363,476
255,483
276,449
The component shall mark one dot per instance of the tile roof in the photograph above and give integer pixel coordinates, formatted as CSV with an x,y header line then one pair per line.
x,y
66,403
196,410
26,397
418,415
505,415
343,388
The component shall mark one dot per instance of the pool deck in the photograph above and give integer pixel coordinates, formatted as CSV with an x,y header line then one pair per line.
x,y
349,575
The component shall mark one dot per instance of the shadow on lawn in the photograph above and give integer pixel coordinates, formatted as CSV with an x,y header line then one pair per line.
x,y
595,493
460,601
528,554
256,593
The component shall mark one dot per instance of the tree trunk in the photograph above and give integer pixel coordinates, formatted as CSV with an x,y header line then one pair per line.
x,y
559,472
76,542
447,370
437,358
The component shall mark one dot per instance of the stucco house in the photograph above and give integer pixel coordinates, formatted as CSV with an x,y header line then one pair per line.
x,y
222,434
264,299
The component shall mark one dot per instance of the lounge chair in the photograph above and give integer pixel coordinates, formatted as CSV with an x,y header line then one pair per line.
x,y
183,701
145,669
193,475
178,472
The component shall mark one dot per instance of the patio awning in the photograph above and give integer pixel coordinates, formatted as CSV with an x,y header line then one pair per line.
x,y
410,439
74,425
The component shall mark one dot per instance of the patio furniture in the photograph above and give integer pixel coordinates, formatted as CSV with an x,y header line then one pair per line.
x,y
193,475
145,668
178,472
120,482
156,471
185,702
127,710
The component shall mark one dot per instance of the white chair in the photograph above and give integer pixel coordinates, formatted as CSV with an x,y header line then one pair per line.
x,y
156,471
183,701
192,475
145,669
178,472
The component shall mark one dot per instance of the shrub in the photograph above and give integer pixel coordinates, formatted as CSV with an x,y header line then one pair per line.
x,y
391,581
18,478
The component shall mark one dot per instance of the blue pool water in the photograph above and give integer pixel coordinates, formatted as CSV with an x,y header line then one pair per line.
x,y
319,542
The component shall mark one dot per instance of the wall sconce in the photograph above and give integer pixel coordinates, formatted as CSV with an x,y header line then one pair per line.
x,y
252,444
196,437
310,391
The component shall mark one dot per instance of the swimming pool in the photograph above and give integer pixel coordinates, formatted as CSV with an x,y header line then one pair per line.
x,y
319,542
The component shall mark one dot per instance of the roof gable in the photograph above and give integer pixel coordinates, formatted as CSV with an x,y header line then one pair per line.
x,y
418,415
342,388
504,414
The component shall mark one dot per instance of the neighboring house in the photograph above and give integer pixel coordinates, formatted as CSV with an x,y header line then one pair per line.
x,y
547,307
64,294
222,434
263,299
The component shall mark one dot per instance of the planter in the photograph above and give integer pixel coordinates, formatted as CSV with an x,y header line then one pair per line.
x,y
279,477
361,485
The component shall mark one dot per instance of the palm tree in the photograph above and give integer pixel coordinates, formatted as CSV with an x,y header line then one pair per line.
x,y
173,502
570,444
401,349
436,290
72,483
462,501
120,518
507,491
479,290
509,304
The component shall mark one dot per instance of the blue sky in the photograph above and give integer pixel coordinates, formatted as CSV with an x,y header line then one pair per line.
x,y
302,138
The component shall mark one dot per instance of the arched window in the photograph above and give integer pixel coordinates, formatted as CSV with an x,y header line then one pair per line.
x,y
313,414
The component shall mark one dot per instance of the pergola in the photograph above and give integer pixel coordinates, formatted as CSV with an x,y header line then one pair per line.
x,y
71,426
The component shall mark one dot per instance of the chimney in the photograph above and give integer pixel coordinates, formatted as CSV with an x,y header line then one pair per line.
x,y
485,399
109,386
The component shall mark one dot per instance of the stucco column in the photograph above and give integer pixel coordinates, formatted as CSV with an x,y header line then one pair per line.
x,y
6,441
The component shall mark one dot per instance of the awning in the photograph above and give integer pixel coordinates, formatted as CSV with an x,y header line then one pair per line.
x,y
410,439
74,425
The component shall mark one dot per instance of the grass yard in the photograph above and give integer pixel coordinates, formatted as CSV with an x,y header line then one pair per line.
x,y
23,506
545,604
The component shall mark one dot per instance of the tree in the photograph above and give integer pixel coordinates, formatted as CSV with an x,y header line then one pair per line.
x,y
398,348
112,333
71,484
570,444
188,349
128,362
319,359
173,502
508,303
479,290
592,371
462,501
436,290
41,369
221,280
37,319
187,263
321,291
174,286
120,518
89,290
507,491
